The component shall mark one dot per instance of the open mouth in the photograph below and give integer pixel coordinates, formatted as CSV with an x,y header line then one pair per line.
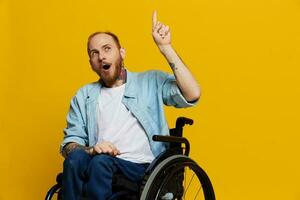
x,y
105,66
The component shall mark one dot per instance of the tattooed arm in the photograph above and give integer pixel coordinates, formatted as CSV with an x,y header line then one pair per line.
x,y
184,78
105,147
68,148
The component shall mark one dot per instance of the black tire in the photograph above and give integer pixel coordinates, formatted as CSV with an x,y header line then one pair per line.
x,y
54,193
168,181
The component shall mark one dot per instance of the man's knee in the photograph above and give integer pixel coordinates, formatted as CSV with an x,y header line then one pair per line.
x,y
76,158
102,161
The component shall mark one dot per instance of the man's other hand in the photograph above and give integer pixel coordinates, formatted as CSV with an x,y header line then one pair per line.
x,y
105,147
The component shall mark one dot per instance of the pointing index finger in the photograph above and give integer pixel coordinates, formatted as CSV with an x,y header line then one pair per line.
x,y
154,18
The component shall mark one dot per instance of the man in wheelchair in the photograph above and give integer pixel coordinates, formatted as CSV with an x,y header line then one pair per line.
x,y
111,122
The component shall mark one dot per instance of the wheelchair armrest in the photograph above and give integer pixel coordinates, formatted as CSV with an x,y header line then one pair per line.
x,y
173,139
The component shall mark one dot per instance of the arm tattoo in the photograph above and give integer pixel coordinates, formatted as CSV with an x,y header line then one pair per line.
x,y
172,65
73,146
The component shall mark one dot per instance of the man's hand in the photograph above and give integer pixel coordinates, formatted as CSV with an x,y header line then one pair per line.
x,y
105,147
160,32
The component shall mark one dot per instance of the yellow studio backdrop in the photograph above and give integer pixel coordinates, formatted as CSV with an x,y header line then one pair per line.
x,y
245,55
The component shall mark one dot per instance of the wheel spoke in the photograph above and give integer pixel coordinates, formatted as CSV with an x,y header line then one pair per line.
x,y
188,185
197,193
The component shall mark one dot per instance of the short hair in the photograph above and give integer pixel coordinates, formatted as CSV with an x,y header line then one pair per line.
x,y
115,38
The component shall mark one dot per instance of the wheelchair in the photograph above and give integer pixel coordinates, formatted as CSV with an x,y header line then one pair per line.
x,y
171,176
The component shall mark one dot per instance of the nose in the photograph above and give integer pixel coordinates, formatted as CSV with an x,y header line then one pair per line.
x,y
101,57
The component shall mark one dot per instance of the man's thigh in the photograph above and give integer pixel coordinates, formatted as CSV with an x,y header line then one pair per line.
x,y
132,171
78,161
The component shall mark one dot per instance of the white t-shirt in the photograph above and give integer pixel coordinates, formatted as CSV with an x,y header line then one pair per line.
x,y
117,125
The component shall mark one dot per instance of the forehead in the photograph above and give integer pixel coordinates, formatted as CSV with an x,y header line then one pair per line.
x,y
100,40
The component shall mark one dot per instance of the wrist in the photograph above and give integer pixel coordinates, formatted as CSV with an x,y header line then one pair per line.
x,y
164,48
90,150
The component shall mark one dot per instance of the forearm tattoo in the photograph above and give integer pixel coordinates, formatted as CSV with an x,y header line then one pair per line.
x,y
73,146
173,66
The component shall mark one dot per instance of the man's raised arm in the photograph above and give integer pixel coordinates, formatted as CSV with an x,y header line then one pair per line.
x,y
184,78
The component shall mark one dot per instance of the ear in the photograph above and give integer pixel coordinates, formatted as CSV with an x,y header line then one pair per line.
x,y
122,52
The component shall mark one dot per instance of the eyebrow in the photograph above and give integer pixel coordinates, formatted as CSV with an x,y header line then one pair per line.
x,y
106,45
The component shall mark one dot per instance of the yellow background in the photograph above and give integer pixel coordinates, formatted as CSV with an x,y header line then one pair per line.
x,y
245,55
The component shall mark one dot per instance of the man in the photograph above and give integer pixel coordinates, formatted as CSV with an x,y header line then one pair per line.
x,y
111,122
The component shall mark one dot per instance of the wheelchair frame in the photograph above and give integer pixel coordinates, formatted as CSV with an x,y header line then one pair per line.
x,y
163,169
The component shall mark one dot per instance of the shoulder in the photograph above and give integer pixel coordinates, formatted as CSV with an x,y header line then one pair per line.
x,y
84,91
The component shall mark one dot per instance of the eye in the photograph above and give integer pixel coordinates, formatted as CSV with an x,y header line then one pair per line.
x,y
94,53
107,48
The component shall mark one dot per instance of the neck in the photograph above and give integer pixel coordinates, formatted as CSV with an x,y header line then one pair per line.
x,y
119,81
122,76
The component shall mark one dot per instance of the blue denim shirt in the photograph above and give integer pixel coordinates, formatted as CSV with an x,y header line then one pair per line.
x,y
145,95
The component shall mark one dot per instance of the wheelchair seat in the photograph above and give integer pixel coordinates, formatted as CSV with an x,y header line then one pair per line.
x,y
171,175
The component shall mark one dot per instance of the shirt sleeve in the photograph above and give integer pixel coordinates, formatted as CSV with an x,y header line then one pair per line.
x,y
75,130
171,93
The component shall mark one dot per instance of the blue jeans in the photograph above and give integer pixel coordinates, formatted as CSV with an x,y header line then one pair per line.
x,y
94,174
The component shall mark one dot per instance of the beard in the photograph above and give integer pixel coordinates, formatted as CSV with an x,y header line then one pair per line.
x,y
112,76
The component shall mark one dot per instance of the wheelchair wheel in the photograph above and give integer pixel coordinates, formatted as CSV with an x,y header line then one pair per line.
x,y
178,177
54,193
